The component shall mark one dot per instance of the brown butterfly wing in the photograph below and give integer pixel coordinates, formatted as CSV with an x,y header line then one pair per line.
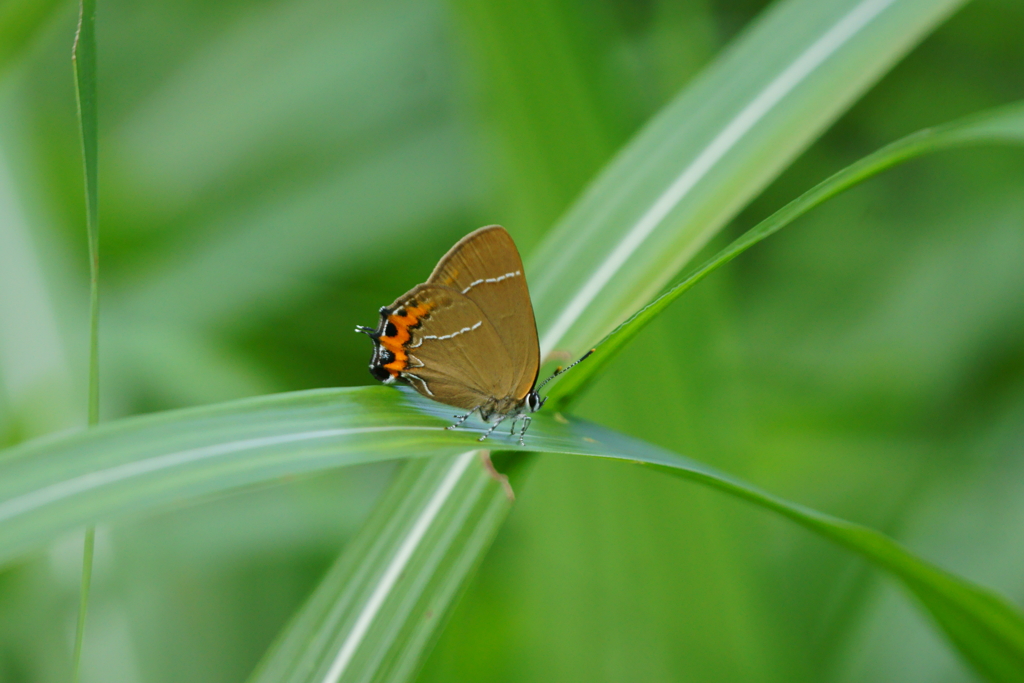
x,y
452,352
485,267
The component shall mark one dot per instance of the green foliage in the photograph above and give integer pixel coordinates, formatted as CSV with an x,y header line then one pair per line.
x,y
274,172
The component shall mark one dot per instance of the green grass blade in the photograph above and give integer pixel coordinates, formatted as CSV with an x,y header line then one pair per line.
x,y
707,153
986,629
51,486
378,608
356,602
83,58
88,549
1003,125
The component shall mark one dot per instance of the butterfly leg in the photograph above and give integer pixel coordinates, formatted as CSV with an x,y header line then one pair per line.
x,y
494,425
526,425
512,431
461,419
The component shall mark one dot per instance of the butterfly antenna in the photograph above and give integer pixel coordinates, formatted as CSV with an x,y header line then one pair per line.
x,y
561,371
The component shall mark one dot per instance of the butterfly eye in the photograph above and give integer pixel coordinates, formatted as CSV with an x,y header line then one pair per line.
x,y
534,401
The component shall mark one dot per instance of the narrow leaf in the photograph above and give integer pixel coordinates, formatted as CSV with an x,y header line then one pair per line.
x,y
707,153
366,617
83,58
357,602
1003,125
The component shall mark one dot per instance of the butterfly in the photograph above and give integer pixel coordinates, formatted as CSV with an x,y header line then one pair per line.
x,y
467,336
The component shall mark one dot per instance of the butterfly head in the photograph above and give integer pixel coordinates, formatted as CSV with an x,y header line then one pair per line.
x,y
384,364
534,402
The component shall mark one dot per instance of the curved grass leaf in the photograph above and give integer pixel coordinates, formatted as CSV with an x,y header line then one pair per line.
x,y
390,589
54,485
356,602
1003,125
707,153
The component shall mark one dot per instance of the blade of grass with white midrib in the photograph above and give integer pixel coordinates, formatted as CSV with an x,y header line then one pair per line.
x,y
1002,125
696,164
424,544
756,110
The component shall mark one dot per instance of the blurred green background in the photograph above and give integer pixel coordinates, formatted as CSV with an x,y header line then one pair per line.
x,y
272,172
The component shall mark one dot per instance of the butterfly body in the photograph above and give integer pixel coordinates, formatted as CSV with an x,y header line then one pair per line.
x,y
467,336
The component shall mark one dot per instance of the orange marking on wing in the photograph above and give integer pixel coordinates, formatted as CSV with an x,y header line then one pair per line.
x,y
396,343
